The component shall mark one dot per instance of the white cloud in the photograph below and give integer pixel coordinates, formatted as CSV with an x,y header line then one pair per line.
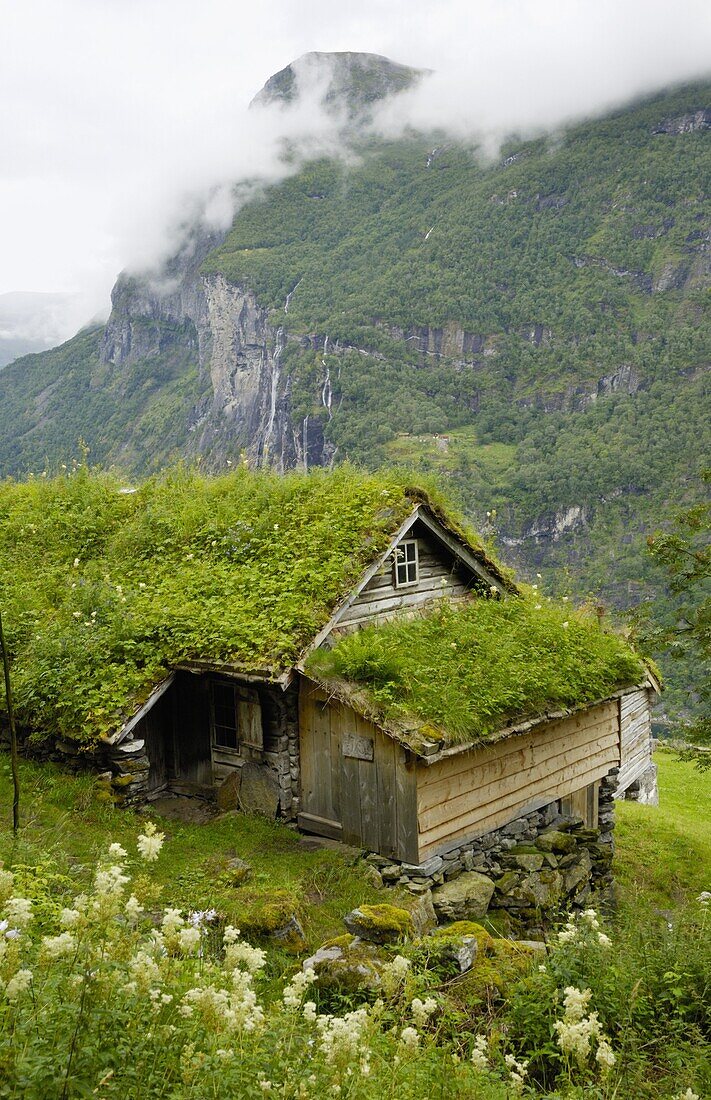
x,y
113,111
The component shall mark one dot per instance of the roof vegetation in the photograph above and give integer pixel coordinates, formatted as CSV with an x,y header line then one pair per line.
x,y
461,673
103,589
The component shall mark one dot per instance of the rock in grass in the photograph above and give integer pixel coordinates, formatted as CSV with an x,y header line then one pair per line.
x,y
259,790
271,915
379,923
238,871
346,965
464,898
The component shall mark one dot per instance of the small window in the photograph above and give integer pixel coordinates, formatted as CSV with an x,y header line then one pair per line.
x,y
224,717
406,564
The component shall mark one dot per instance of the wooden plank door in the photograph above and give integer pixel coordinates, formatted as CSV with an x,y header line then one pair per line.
x,y
320,810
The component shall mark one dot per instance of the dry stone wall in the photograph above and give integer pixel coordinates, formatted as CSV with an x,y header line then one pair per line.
x,y
535,865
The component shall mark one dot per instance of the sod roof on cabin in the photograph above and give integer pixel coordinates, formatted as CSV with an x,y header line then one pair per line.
x,y
462,673
104,590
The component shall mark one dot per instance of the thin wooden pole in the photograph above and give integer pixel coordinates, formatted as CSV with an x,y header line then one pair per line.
x,y
13,733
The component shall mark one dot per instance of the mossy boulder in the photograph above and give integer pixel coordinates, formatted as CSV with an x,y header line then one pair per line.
x,y
347,965
272,915
525,857
468,928
464,898
380,923
457,946
495,972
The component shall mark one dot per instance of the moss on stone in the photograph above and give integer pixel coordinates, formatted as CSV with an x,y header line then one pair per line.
x,y
261,913
461,928
380,923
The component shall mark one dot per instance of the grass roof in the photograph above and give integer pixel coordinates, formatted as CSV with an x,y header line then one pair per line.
x,y
461,673
103,590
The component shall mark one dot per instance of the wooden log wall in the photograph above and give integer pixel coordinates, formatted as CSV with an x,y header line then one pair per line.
x,y
635,737
471,793
440,576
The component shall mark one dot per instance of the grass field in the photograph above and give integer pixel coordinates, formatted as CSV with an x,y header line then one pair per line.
x,y
664,852
649,984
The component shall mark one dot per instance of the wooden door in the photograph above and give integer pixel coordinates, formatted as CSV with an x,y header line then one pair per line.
x,y
320,810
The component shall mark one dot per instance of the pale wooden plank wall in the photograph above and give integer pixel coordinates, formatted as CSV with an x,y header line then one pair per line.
x,y
476,791
380,597
635,736
368,802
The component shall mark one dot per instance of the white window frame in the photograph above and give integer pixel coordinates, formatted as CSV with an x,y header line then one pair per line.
x,y
402,560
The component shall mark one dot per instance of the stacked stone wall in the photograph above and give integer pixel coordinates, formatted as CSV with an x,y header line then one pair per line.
x,y
540,863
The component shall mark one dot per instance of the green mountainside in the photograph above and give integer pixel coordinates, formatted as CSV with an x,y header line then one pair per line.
x,y
533,327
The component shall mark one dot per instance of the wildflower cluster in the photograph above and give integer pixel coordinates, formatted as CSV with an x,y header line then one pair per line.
x,y
579,1031
584,929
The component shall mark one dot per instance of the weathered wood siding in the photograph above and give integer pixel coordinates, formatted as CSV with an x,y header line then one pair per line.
x,y
473,792
635,737
357,784
440,576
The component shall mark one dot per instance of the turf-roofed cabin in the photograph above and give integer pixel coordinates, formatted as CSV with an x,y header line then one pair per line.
x,y
334,648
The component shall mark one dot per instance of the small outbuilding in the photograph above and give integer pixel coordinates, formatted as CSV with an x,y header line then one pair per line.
x,y
337,649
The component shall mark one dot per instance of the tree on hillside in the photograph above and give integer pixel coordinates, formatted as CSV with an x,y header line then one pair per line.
x,y
685,552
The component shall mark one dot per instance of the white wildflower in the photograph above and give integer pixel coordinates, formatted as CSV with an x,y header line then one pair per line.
x,y
172,922
294,991
704,900
19,911
133,908
76,563
394,973
55,947
241,955
576,1002
604,940
7,883
110,881
143,970
589,917
309,1011
18,984
188,940
688,1095
605,1056
230,935
422,1010
150,842
340,1036
116,850
69,918
479,1056
265,1086
410,1038
517,1072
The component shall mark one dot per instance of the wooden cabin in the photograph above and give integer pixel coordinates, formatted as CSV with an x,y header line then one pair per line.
x,y
285,744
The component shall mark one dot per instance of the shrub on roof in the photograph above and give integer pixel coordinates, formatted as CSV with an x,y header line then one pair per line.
x,y
468,670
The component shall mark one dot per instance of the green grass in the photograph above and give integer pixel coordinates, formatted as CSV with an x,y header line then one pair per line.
x,y
663,852
461,673
64,828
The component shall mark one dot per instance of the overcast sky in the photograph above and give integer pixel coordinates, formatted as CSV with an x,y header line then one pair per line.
x,y
113,111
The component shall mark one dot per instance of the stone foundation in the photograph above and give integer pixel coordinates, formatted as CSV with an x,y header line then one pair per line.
x,y
644,788
539,863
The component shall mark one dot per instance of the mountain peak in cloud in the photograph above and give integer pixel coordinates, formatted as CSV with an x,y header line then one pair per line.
x,y
339,81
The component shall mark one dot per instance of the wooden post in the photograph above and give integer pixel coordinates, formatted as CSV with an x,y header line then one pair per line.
x,y
13,733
